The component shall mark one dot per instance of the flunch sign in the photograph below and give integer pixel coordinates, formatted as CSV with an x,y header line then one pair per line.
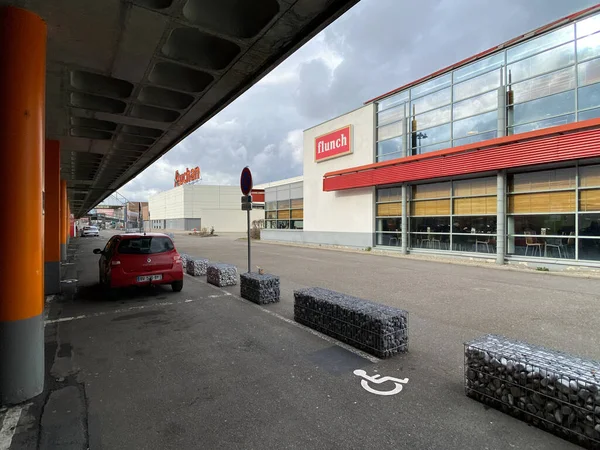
x,y
187,176
334,144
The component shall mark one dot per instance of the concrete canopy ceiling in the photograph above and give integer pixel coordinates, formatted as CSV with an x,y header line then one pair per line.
x,y
128,79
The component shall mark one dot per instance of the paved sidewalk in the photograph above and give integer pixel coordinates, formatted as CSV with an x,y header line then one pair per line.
x,y
205,369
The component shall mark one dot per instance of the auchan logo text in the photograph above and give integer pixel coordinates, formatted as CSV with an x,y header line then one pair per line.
x,y
336,143
187,176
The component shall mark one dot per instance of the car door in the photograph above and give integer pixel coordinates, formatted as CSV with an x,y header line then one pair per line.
x,y
107,254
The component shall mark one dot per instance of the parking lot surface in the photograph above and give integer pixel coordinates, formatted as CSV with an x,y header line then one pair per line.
x,y
205,369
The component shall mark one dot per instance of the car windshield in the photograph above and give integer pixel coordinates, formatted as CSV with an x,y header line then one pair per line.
x,y
145,245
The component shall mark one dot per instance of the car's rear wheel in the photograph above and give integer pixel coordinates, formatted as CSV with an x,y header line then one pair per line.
x,y
109,293
177,285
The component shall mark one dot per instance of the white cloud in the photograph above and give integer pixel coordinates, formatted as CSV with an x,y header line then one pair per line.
x,y
377,46
295,140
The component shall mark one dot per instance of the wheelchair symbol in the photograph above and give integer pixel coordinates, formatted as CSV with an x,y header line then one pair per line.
x,y
398,382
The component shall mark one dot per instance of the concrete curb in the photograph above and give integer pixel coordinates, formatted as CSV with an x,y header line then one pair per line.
x,y
447,259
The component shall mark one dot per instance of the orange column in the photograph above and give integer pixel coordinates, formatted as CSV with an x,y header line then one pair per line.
x,y
52,222
69,223
64,219
22,104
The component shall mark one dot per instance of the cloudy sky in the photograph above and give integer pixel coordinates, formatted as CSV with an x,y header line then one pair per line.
x,y
375,47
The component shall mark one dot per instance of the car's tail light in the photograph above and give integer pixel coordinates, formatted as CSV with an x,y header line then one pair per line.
x,y
177,259
115,262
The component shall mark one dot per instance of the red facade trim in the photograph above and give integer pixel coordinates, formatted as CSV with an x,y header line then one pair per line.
x,y
558,145
258,195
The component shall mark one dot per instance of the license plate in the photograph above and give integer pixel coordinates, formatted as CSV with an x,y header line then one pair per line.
x,y
149,278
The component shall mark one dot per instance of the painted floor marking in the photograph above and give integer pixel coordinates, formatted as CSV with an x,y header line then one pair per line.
x,y
122,310
378,379
9,426
331,340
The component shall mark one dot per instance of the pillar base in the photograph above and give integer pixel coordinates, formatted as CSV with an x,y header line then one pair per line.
x,y
51,277
21,360
63,252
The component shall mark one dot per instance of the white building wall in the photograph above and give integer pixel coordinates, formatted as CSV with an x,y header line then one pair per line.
x,y
229,221
215,206
174,203
167,204
157,206
342,217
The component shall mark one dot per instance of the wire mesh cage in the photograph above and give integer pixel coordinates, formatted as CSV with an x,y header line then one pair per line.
x,y
549,389
184,259
197,266
222,275
377,329
259,288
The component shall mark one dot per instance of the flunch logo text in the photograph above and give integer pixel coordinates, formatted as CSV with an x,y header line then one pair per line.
x,y
187,176
331,145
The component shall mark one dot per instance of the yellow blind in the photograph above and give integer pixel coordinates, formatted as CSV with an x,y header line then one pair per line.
x,y
297,203
297,213
283,214
475,205
544,202
430,208
589,200
589,176
478,186
389,209
434,190
543,181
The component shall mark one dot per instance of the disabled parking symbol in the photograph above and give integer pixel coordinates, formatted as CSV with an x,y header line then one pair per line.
x,y
377,379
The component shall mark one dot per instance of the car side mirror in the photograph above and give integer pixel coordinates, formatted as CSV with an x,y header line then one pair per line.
x,y
97,251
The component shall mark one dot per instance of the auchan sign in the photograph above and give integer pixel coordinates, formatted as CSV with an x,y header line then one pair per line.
x,y
187,176
334,144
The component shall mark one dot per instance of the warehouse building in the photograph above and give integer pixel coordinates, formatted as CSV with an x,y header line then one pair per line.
x,y
497,156
187,207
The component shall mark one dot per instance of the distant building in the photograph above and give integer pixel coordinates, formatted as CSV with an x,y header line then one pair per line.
x,y
134,209
284,204
199,206
497,156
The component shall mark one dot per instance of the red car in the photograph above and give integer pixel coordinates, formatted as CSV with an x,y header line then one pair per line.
x,y
140,259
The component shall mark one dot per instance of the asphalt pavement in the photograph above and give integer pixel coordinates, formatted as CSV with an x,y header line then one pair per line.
x,y
204,369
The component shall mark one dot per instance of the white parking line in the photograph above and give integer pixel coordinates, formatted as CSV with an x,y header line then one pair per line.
x,y
131,308
9,426
331,340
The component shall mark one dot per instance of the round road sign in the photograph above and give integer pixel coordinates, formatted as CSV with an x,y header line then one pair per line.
x,y
246,181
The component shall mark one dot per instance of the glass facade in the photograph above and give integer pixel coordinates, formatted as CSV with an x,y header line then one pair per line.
x,y
552,213
550,80
455,215
555,213
284,207
388,217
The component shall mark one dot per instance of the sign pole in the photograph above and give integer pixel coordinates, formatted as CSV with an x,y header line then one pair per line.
x,y
249,265
246,186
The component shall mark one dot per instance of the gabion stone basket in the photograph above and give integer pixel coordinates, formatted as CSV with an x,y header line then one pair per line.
x,y
552,390
260,289
197,266
184,259
221,274
377,329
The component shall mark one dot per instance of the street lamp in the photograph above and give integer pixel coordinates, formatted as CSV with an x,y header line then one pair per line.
x,y
419,137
